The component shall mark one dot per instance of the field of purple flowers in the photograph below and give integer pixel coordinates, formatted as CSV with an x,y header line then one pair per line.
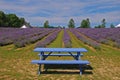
x,y
103,35
92,37
16,52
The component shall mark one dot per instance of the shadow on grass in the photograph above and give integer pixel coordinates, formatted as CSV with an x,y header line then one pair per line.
x,y
67,69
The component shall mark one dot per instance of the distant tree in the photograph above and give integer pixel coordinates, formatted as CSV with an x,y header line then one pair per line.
x,y
46,24
2,18
112,26
99,26
22,21
63,27
27,24
95,26
13,20
59,26
103,23
10,20
85,23
71,23
88,23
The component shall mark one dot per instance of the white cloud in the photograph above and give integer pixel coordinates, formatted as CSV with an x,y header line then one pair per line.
x,y
60,11
96,19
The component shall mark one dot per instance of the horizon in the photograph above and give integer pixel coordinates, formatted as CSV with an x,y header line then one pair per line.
x,y
59,12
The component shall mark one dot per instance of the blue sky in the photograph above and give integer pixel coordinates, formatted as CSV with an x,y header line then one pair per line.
x,y
59,12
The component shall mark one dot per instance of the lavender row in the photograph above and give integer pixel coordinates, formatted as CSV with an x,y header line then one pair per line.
x,y
103,35
48,39
29,40
66,39
9,35
17,35
6,35
85,40
33,34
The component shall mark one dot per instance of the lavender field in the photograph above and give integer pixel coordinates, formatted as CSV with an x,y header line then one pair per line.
x,y
92,37
16,52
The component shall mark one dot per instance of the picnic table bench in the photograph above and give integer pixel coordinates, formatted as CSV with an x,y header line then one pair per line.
x,y
76,55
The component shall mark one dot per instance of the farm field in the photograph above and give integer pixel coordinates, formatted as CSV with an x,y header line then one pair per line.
x,y
16,53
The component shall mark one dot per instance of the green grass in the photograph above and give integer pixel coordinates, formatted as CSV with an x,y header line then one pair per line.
x,y
58,42
15,63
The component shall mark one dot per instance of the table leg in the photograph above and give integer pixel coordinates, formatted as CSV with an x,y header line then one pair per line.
x,y
41,56
80,69
39,69
78,55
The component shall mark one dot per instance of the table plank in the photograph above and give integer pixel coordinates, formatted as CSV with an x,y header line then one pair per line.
x,y
60,62
60,50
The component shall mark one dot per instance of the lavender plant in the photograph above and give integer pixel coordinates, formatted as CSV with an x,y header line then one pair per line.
x,y
66,39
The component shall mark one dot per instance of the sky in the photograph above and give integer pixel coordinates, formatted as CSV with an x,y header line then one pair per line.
x,y
59,12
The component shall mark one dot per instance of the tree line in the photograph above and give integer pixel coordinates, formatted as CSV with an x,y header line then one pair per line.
x,y
11,20
85,23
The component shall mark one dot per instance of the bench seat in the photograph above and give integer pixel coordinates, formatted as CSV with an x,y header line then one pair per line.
x,y
60,62
79,62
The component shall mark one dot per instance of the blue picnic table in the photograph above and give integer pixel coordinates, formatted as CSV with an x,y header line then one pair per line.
x,y
76,53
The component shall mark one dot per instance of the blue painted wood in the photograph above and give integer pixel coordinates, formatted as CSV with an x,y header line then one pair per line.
x,y
60,55
79,62
60,62
43,56
60,50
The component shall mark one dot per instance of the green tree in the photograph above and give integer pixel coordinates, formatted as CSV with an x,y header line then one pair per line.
x,y
46,24
88,23
112,26
2,18
85,23
71,23
103,23
99,26
10,20
22,21
13,20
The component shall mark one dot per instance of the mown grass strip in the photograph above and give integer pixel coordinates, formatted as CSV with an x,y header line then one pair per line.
x,y
58,42
74,41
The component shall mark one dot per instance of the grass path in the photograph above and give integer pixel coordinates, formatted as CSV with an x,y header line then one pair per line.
x,y
74,41
77,43
58,42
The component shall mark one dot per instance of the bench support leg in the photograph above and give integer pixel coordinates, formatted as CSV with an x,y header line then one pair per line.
x,y
46,70
39,69
78,55
80,69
